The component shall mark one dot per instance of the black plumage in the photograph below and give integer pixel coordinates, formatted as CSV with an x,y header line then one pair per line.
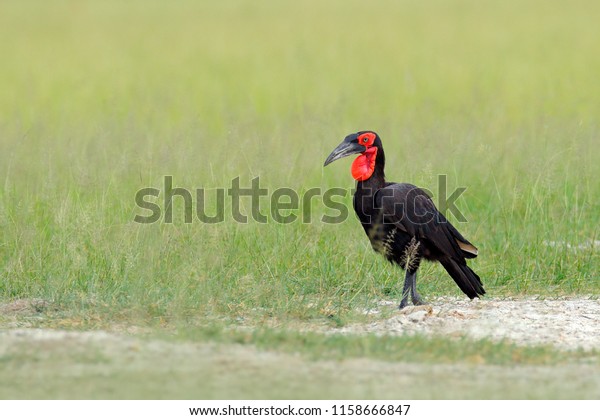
x,y
402,222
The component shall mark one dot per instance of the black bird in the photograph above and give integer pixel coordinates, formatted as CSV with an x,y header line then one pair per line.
x,y
402,222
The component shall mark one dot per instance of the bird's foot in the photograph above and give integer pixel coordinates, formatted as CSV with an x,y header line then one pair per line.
x,y
403,303
418,300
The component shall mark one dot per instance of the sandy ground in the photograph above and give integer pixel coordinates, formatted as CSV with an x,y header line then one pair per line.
x,y
43,363
39,363
564,323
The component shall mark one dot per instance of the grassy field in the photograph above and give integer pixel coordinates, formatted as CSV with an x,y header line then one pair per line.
x,y
257,365
101,99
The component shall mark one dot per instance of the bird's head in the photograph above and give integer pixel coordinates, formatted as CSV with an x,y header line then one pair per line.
x,y
365,143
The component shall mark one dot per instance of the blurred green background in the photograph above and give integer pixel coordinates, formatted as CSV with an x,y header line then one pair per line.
x,y
101,99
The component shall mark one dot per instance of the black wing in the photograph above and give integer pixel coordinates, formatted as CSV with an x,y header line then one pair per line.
x,y
410,209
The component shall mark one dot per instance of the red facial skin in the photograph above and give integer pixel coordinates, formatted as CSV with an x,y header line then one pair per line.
x,y
364,165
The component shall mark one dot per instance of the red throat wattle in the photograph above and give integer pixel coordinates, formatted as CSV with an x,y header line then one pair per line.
x,y
364,165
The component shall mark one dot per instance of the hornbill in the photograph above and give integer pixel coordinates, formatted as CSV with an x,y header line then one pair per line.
x,y
402,222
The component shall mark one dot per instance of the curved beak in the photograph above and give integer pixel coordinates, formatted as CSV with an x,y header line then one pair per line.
x,y
346,148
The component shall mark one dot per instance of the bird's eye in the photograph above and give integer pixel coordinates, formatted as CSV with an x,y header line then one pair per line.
x,y
365,140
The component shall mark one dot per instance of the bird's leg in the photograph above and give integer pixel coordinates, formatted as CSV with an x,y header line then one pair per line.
x,y
410,287
414,295
406,290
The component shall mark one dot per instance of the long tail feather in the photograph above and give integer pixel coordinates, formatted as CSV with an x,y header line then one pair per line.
x,y
465,278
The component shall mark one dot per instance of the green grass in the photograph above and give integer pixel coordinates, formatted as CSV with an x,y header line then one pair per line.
x,y
267,364
101,99
408,349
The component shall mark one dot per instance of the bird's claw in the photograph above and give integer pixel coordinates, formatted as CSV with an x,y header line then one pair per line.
x,y
418,300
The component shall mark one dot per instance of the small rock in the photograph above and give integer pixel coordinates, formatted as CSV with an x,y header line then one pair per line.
x,y
417,316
